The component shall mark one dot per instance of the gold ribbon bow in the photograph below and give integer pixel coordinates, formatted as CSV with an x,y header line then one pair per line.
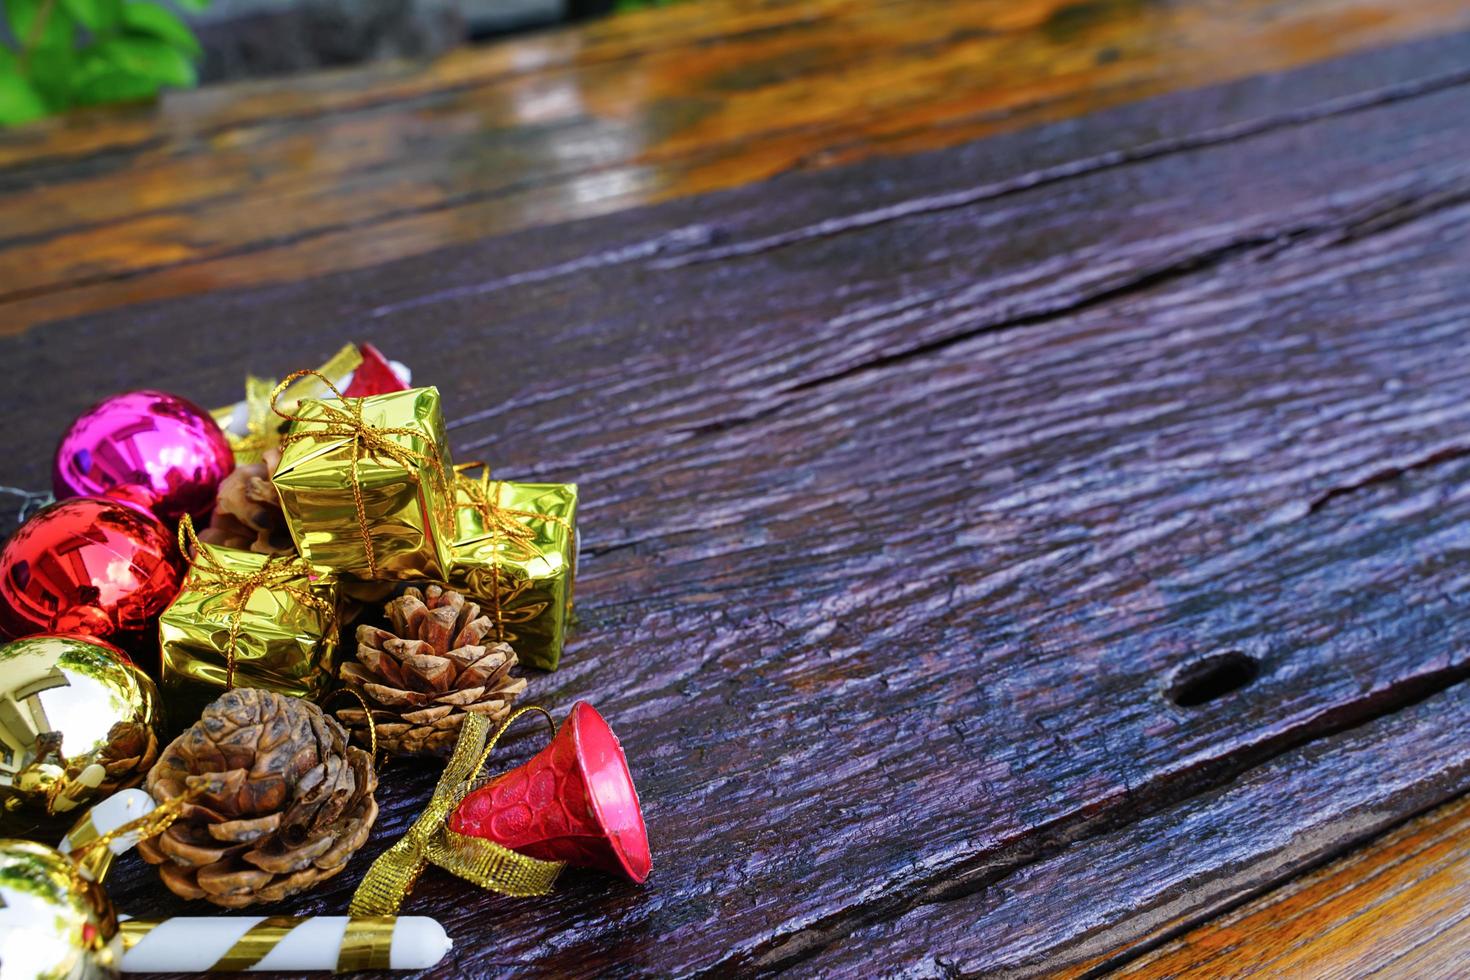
x,y
367,439
210,576
502,523
430,841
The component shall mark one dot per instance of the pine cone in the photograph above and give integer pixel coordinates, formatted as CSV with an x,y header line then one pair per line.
x,y
247,512
422,677
283,800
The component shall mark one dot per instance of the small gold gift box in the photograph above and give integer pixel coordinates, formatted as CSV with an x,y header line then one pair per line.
x,y
246,620
365,484
515,553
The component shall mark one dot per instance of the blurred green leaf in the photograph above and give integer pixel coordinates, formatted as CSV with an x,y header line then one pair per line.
x,y
148,57
153,20
53,74
23,15
19,102
95,15
114,85
129,50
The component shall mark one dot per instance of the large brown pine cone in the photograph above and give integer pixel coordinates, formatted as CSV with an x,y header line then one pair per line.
x,y
247,512
425,674
283,800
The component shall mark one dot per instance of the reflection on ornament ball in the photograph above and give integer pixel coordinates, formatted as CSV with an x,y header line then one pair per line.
x,y
77,722
163,448
87,565
53,924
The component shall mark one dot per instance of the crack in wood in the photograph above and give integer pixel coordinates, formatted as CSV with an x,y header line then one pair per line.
x,y
1390,472
1265,246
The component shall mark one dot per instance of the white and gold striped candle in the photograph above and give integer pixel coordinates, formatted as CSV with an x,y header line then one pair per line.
x,y
186,944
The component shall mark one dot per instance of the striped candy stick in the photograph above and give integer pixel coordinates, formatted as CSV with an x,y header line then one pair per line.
x,y
188,944
196,944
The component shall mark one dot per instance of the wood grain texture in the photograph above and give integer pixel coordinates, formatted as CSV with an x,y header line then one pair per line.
x,y
1395,908
910,486
266,183
1134,888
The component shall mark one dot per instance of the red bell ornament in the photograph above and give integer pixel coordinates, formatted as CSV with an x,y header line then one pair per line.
x,y
90,565
149,444
573,802
374,376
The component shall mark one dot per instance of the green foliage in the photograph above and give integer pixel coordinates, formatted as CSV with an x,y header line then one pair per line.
x,y
83,52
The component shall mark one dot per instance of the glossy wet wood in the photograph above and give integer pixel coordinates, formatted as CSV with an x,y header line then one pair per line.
x,y
912,487
269,183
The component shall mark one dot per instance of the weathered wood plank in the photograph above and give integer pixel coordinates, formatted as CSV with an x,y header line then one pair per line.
x,y
369,166
899,520
1398,906
1136,886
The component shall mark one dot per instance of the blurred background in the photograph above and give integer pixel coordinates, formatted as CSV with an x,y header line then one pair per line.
x,y
58,54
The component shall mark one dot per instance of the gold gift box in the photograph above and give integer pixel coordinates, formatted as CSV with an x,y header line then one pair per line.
x,y
365,485
515,553
279,618
251,428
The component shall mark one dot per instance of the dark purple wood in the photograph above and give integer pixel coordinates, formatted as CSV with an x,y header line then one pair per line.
x,y
1132,889
910,487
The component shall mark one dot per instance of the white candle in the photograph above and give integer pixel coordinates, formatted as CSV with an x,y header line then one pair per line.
x,y
186,944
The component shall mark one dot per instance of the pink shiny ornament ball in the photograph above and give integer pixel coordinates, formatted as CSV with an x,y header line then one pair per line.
x,y
88,565
156,446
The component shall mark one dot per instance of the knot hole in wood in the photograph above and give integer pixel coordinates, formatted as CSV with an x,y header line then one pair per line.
x,y
1212,677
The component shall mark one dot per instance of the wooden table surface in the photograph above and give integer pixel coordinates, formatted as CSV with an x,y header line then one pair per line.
x,y
1023,447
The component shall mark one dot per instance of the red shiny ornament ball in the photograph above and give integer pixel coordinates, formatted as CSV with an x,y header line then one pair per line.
x,y
149,444
88,565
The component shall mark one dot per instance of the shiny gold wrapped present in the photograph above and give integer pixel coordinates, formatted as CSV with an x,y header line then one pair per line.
x,y
246,620
251,427
515,553
365,484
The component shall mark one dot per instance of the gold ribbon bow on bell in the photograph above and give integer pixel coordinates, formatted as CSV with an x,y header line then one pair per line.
x,y
430,841
346,422
209,576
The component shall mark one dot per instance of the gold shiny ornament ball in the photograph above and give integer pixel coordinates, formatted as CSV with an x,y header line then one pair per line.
x,y
53,924
78,721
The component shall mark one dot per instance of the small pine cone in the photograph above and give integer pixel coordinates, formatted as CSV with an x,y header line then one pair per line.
x,y
132,748
425,674
247,512
283,800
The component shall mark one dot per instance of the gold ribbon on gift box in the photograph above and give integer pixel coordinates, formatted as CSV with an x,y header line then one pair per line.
x,y
430,841
209,576
509,536
347,422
